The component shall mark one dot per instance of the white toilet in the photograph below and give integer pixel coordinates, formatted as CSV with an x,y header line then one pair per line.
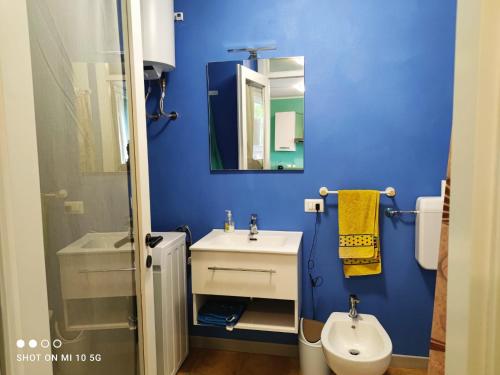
x,y
357,346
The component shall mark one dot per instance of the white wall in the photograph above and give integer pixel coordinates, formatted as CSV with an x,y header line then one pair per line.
x,y
23,273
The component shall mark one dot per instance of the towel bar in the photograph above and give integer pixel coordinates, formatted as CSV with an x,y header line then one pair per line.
x,y
107,270
389,212
389,191
240,269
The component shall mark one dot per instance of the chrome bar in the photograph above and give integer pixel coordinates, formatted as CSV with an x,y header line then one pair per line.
x,y
389,212
108,270
241,269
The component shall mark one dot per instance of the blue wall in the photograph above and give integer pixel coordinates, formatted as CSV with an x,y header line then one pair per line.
x,y
379,81
224,109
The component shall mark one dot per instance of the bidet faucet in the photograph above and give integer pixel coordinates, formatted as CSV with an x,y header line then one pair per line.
x,y
353,302
253,228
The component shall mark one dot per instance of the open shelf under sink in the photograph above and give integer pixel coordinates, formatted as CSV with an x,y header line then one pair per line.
x,y
260,314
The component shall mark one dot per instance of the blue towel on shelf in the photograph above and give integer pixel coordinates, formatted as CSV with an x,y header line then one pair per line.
x,y
221,313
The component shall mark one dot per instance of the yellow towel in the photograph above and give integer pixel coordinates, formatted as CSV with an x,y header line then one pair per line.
x,y
359,245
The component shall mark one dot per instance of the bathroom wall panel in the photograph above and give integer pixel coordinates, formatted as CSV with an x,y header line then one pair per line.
x,y
379,82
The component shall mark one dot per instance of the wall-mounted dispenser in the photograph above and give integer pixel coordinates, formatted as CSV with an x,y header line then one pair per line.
x,y
158,37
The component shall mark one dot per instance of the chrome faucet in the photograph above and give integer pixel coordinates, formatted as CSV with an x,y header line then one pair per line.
x,y
353,302
253,228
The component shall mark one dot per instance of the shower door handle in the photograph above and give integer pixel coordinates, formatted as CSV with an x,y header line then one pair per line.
x,y
153,241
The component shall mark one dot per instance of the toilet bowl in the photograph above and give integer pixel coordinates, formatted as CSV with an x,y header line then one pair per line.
x,y
357,346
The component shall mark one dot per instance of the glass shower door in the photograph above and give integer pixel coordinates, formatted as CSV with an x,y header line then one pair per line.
x,y
81,80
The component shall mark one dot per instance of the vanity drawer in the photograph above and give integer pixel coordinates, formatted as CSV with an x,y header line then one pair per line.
x,y
97,275
245,274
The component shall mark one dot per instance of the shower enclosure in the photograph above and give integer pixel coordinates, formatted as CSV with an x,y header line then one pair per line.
x,y
86,64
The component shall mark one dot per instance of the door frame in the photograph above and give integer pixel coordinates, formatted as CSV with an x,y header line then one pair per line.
x,y
473,301
244,74
21,233
142,214
21,229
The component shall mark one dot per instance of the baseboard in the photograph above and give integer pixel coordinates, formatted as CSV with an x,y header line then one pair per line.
x,y
244,346
409,361
286,350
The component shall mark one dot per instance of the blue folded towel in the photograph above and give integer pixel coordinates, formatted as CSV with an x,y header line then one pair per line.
x,y
221,313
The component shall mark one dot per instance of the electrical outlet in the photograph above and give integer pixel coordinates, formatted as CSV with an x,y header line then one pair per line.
x,y
310,205
179,16
74,207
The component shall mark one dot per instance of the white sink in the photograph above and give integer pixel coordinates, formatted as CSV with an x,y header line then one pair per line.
x,y
97,243
267,241
91,267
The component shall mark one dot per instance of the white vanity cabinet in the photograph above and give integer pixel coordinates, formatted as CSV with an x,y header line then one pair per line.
x,y
265,273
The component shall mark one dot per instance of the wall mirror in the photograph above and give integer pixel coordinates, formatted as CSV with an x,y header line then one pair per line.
x,y
256,114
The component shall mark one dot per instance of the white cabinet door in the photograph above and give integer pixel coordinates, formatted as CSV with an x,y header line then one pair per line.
x,y
284,131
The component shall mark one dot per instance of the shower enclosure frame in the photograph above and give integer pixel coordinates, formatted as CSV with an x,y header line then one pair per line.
x,y
24,312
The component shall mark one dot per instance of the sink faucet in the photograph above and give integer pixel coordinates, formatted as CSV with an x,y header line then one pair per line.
x,y
353,302
253,228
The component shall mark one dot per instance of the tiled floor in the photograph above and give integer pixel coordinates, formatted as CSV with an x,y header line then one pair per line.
x,y
220,362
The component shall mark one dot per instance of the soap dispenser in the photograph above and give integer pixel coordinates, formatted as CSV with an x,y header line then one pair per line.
x,y
229,223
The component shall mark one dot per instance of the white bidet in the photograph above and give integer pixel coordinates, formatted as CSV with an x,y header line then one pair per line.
x,y
358,346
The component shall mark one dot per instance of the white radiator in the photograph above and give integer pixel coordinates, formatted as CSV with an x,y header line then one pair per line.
x,y
169,274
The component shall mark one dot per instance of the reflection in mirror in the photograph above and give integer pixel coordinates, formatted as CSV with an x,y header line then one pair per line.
x,y
256,114
101,114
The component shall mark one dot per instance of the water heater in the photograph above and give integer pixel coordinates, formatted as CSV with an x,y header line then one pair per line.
x,y
158,38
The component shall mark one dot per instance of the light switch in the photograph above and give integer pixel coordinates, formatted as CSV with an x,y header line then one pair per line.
x,y
310,205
